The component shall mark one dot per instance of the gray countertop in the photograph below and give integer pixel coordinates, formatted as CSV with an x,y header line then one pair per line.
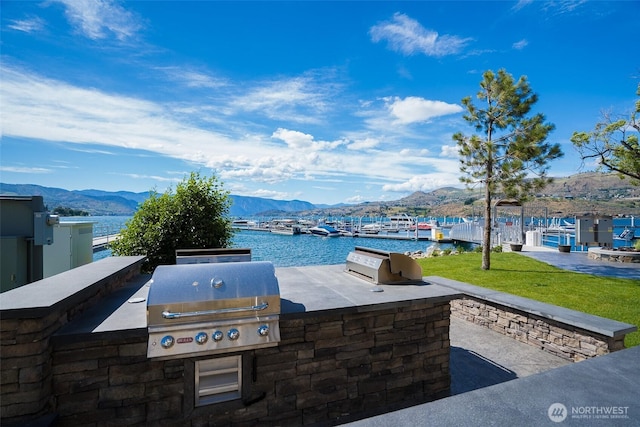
x,y
303,291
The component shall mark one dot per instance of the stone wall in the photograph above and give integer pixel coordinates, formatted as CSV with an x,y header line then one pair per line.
x,y
328,367
554,337
611,255
26,372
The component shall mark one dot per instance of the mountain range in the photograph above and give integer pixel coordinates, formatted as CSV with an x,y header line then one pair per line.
x,y
586,192
97,202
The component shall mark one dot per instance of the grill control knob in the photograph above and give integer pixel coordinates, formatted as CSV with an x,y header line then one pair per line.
x,y
263,330
201,338
233,334
217,336
167,341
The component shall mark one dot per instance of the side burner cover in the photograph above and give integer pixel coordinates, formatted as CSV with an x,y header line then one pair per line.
x,y
383,268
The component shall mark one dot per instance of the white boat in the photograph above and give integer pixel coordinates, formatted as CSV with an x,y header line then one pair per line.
x,y
286,230
628,234
243,223
374,228
401,222
288,227
324,230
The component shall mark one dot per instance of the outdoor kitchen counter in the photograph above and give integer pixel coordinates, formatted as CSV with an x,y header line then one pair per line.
x,y
328,287
303,291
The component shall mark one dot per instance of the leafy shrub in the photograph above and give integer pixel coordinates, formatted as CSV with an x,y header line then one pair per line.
x,y
195,216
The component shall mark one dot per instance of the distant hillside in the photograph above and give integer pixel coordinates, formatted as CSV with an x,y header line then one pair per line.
x,y
586,192
248,206
592,192
93,201
98,202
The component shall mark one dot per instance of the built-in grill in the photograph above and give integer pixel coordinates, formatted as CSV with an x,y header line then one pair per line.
x,y
211,308
202,256
382,267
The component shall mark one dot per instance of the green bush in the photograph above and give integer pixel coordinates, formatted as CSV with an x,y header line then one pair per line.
x,y
195,216
637,245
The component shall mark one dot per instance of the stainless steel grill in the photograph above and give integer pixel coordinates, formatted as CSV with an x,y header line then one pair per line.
x,y
383,268
195,309
201,256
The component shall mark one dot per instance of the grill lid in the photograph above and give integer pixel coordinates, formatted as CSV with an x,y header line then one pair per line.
x,y
187,293
382,267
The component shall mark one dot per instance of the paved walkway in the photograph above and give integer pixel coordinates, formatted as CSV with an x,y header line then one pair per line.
x,y
580,262
481,357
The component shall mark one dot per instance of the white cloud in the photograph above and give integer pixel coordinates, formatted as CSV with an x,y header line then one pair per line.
x,y
30,25
35,107
521,4
297,99
519,45
449,151
269,194
424,183
98,19
355,199
364,144
153,177
192,78
407,36
24,169
298,140
415,109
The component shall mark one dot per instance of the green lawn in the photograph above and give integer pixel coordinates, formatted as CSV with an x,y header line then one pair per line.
x,y
613,298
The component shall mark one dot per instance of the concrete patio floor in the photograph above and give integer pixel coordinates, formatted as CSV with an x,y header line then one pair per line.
x,y
481,357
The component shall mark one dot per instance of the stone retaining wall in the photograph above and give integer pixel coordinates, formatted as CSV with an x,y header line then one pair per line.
x,y
554,337
613,255
326,368
26,373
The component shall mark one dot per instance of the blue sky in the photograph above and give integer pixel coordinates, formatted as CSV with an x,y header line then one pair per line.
x,y
328,102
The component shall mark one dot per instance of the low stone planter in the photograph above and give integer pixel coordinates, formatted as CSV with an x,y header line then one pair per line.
x,y
515,247
614,255
564,248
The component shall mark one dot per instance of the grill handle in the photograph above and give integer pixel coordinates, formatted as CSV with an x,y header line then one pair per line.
x,y
170,315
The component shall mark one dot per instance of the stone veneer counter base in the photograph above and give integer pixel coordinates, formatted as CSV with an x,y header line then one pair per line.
x,y
346,352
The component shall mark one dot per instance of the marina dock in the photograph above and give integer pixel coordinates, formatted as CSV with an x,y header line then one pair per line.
x,y
100,243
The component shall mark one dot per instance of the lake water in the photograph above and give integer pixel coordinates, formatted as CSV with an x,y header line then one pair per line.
x,y
300,250
282,251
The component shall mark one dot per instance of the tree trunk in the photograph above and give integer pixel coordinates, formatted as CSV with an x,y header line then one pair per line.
x,y
486,238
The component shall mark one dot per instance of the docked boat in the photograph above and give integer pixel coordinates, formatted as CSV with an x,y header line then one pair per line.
x,y
401,222
286,230
285,227
628,234
243,223
324,230
374,228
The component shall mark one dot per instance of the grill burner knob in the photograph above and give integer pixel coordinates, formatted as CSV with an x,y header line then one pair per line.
x,y
263,330
167,341
217,336
201,338
233,334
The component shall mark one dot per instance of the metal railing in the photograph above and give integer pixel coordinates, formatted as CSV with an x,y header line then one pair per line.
x,y
472,232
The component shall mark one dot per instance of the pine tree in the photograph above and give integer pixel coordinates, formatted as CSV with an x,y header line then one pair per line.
x,y
509,155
